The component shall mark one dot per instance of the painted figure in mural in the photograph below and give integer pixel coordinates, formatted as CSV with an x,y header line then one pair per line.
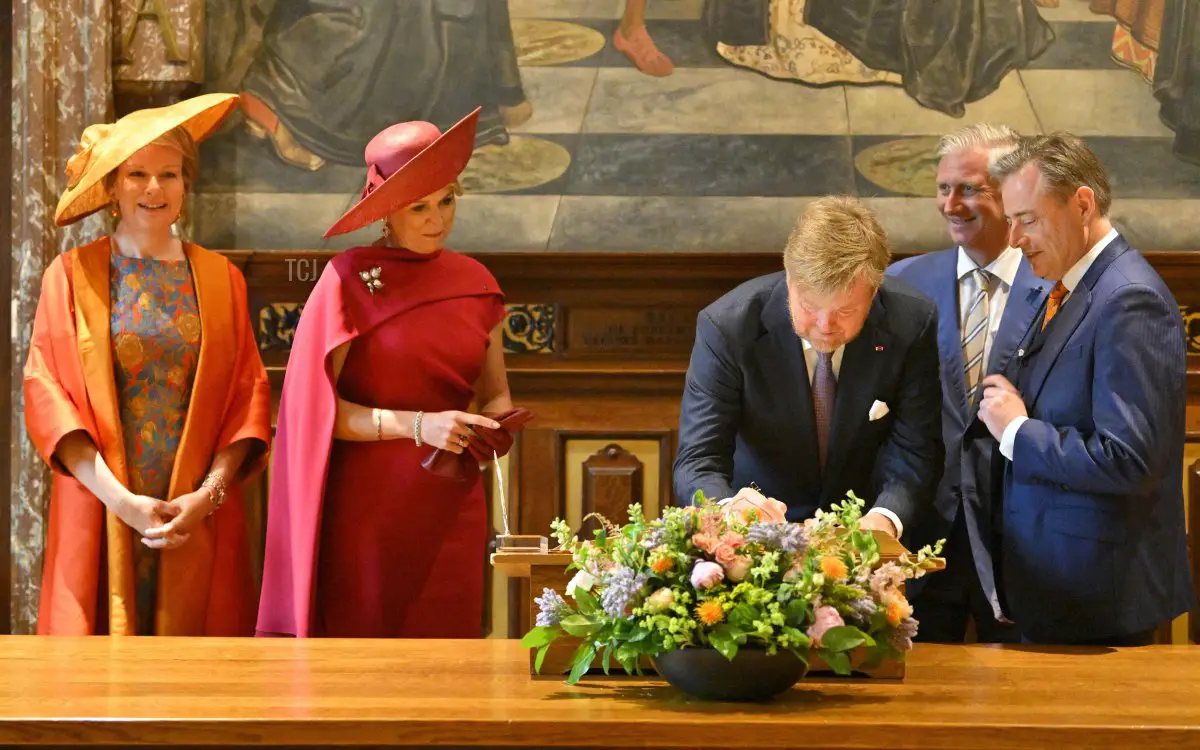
x,y
145,393
377,523
943,54
1177,77
319,79
632,40
986,296
1160,40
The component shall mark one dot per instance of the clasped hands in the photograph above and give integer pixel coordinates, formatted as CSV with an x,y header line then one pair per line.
x,y
166,524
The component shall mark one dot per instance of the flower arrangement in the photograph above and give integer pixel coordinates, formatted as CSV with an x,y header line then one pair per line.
x,y
728,575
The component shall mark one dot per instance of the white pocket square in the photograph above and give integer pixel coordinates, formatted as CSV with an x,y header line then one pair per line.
x,y
879,410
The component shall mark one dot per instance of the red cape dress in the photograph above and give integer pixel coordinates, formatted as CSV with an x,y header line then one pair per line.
x,y
361,540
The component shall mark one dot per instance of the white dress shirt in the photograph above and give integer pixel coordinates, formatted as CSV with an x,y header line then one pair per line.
x,y
1070,280
1004,270
810,361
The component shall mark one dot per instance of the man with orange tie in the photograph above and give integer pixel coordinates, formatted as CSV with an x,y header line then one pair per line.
x,y
1089,415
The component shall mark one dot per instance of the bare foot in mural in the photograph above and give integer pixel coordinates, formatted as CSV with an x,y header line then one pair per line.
x,y
632,40
264,124
518,115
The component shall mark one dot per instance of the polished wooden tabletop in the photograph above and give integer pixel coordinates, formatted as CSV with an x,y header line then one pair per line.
x,y
122,691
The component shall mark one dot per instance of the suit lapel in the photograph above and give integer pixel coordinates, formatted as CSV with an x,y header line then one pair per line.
x,y
787,377
1025,301
945,295
1068,318
864,361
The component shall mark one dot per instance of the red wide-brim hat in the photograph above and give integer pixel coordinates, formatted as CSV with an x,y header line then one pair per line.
x,y
405,163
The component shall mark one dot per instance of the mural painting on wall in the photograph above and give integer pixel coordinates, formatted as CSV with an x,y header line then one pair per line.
x,y
687,124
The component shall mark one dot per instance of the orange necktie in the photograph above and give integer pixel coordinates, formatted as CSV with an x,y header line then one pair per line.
x,y
1057,295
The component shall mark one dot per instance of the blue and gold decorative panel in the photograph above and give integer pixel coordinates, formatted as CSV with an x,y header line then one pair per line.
x,y
529,329
277,325
1191,328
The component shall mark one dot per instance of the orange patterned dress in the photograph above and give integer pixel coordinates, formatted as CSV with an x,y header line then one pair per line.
x,y
155,335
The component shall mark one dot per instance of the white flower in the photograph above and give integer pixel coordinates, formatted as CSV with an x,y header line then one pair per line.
x,y
583,580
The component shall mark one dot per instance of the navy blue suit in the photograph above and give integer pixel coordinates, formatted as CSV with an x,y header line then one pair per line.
x,y
973,461
747,413
1094,540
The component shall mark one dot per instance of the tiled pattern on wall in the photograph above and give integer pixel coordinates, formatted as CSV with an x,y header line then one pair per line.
x,y
528,328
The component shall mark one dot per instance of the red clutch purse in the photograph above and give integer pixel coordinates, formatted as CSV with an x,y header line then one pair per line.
x,y
463,466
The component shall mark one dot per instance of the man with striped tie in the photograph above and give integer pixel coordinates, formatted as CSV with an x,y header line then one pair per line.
x,y
1090,416
986,296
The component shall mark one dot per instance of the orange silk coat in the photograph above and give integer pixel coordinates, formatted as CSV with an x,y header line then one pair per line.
x,y
205,586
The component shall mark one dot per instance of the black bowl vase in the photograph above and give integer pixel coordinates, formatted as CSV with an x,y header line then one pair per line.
x,y
752,675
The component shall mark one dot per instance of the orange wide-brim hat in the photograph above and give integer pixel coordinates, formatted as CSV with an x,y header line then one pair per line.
x,y
104,146
405,163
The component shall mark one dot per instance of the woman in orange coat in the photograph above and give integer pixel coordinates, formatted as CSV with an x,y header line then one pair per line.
x,y
145,393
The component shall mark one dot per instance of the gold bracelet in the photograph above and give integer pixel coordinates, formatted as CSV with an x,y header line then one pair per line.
x,y
377,415
215,484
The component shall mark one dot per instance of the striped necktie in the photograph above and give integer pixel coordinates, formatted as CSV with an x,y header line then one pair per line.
x,y
974,328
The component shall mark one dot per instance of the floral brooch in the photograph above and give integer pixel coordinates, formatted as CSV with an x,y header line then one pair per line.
x,y
371,279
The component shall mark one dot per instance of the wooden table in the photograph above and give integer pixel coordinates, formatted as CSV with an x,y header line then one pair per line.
x,y
209,692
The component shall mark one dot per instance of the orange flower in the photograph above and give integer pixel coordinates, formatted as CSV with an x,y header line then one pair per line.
x,y
710,612
662,565
896,608
834,567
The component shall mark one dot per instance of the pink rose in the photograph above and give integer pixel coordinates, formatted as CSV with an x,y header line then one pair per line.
x,y
660,600
738,568
706,542
707,574
826,618
733,539
724,554
766,509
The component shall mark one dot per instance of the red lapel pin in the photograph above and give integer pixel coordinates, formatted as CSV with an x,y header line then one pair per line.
x,y
879,348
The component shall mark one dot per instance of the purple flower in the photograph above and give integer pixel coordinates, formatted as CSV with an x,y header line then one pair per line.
x,y
862,609
553,607
788,537
654,538
902,636
620,588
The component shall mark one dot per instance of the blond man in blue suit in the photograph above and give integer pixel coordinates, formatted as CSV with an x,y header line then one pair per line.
x,y
986,295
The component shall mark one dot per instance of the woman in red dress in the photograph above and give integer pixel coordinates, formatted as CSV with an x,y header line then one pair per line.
x,y
395,343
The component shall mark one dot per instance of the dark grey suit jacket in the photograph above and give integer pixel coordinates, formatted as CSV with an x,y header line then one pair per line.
x,y
747,412
974,466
